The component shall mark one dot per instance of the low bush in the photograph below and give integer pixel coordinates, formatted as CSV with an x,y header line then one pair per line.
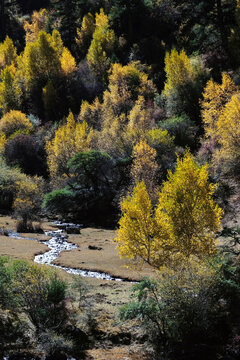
x,y
9,177
39,293
27,153
14,121
24,227
188,308
38,311
28,200
59,201
182,128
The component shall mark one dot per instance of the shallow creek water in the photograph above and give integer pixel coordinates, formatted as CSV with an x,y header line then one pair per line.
x,y
57,244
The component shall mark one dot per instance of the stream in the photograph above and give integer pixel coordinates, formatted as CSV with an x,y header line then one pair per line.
x,y
57,244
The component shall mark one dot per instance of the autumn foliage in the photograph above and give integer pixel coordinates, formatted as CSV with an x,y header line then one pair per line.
x,y
183,223
69,139
128,112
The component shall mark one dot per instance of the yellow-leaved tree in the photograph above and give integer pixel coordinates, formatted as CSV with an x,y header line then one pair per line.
x,y
126,84
140,117
8,53
3,141
228,132
102,45
179,70
186,202
84,35
91,113
145,167
38,23
40,61
10,91
28,200
68,63
182,225
215,97
125,114
45,59
69,139
138,234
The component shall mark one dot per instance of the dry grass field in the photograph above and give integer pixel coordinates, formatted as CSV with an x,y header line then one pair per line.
x,y
20,249
119,353
97,251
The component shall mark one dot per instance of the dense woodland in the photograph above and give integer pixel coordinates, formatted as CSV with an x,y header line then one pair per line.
x,y
126,114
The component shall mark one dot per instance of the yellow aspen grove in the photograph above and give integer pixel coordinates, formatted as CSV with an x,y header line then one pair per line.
x,y
215,97
69,139
183,224
179,70
186,202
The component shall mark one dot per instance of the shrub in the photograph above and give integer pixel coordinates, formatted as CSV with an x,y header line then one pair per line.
x,y
59,201
188,307
34,311
34,290
13,121
27,153
24,227
6,296
27,203
182,128
9,177
39,293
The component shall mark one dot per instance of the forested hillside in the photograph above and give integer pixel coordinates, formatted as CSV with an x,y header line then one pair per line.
x,y
125,115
